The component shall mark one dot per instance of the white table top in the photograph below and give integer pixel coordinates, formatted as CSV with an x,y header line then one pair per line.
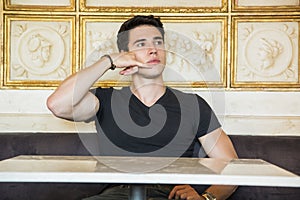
x,y
150,170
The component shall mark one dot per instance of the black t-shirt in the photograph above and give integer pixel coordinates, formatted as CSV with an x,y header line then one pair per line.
x,y
171,127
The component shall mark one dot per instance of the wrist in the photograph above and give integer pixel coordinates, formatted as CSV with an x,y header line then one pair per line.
x,y
112,65
208,196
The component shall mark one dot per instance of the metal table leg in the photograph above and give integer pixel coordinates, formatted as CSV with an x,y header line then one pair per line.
x,y
137,192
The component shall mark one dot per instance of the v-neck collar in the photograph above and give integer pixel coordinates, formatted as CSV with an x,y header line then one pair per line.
x,y
136,99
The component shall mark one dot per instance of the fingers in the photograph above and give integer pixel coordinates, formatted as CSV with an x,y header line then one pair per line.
x,y
128,62
178,192
129,70
126,59
184,192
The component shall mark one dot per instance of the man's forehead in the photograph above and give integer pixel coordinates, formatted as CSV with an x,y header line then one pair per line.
x,y
144,31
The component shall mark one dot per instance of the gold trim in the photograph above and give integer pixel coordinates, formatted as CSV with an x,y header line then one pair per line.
x,y
259,84
156,9
77,10
36,84
235,8
2,35
9,6
224,53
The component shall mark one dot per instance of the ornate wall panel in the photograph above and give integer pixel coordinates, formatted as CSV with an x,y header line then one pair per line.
x,y
259,5
219,43
154,6
196,55
98,37
38,50
45,5
266,52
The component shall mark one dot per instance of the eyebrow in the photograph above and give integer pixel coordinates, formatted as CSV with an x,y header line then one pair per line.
x,y
140,40
158,38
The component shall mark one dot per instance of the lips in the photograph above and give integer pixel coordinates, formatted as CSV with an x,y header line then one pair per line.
x,y
153,61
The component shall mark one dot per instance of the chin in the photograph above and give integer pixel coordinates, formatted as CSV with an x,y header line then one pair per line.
x,y
153,75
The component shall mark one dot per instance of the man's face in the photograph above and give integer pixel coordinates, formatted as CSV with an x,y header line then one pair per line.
x,y
148,46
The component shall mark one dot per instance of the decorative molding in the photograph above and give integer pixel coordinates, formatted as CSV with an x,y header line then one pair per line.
x,y
216,45
196,55
41,123
233,125
262,125
265,52
39,50
155,6
37,5
267,5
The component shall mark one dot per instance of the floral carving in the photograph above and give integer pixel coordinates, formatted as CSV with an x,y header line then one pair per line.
x,y
197,52
99,45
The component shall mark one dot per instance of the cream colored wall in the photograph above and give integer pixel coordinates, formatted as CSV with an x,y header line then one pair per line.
x,y
253,94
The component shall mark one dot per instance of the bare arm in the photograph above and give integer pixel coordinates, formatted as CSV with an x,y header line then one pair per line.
x,y
218,145
72,99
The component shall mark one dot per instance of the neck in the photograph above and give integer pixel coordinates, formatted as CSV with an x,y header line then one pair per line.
x,y
148,92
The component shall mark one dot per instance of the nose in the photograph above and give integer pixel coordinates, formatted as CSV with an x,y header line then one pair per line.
x,y
152,49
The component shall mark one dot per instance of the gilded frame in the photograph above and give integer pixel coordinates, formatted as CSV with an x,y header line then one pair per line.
x,y
32,83
278,8
222,83
39,7
161,8
234,53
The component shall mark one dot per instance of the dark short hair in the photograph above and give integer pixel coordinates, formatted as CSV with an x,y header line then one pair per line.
x,y
123,33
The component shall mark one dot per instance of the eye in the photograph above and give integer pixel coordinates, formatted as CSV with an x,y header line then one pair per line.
x,y
159,42
140,44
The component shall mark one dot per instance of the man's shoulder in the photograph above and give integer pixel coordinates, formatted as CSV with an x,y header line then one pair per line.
x,y
188,95
183,93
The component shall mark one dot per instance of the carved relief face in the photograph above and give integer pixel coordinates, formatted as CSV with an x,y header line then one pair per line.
x,y
39,50
268,52
45,53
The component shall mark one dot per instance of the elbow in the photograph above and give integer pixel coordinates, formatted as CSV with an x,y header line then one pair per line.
x,y
52,105
56,107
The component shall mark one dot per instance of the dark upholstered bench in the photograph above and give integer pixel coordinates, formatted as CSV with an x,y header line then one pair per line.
x,y
280,150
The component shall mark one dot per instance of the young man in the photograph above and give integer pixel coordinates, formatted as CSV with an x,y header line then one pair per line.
x,y
147,118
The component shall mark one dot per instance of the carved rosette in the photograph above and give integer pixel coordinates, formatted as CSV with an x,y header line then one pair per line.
x,y
40,50
268,52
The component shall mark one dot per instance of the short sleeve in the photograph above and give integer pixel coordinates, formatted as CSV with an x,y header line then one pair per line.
x,y
208,120
103,95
